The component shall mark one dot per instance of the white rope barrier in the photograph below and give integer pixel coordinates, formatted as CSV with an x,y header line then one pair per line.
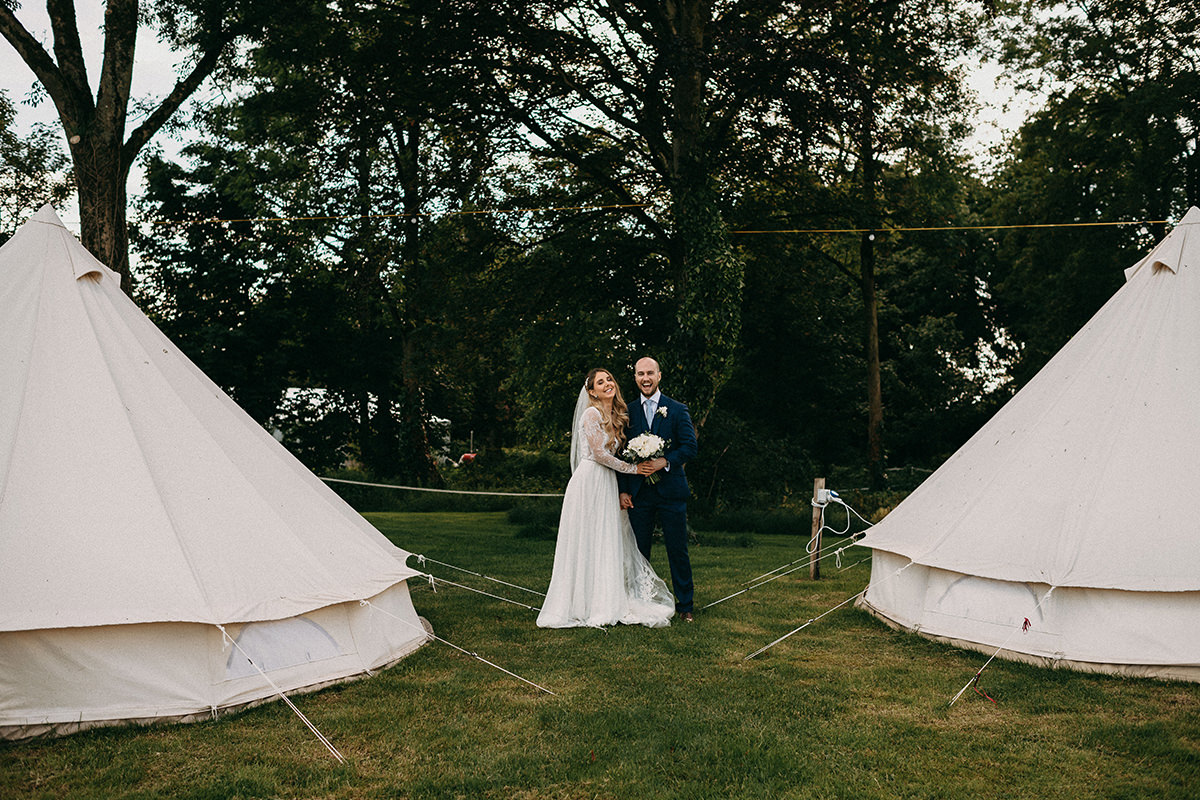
x,y
320,736
441,491
476,656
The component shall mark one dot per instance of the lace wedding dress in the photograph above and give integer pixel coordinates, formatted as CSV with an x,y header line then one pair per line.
x,y
599,576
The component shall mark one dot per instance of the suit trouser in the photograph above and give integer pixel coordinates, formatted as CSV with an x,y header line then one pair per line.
x,y
673,515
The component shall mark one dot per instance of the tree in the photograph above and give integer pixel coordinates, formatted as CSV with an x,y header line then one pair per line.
x,y
102,150
356,137
1117,139
34,171
645,101
899,103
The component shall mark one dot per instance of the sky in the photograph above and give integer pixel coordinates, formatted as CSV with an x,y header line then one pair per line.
x,y
156,67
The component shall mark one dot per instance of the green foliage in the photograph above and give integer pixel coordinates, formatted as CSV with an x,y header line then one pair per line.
x,y
769,116
766,522
708,319
33,171
1114,141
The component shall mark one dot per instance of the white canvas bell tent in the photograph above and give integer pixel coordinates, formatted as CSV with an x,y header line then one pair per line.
x,y
1066,532
147,524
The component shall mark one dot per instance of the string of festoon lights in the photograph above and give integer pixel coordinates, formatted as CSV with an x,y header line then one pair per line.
x,y
871,232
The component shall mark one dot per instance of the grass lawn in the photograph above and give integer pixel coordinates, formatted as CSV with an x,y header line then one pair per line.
x,y
844,709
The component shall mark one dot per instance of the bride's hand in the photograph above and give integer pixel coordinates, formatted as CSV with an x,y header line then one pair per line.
x,y
646,468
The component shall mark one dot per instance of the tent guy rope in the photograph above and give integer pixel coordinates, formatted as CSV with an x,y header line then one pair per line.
x,y
834,550
433,580
421,559
819,617
320,736
1018,629
475,656
800,563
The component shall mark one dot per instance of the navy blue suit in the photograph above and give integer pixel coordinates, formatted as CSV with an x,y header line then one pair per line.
x,y
667,498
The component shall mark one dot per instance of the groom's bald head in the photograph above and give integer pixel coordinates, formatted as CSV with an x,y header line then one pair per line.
x,y
646,374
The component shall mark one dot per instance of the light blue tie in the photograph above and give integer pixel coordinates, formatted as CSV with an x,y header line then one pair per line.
x,y
649,405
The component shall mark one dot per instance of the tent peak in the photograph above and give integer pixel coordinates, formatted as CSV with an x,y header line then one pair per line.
x,y
46,215
1174,251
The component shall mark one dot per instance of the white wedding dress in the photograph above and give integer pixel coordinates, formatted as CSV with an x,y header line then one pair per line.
x,y
600,577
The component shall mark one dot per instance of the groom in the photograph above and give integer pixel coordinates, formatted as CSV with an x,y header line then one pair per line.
x,y
665,499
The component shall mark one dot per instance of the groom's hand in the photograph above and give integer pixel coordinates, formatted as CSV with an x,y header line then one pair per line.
x,y
626,500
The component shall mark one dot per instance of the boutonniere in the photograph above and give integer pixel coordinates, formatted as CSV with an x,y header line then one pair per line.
x,y
662,412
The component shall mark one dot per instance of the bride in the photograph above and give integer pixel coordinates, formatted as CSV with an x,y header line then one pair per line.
x,y
599,576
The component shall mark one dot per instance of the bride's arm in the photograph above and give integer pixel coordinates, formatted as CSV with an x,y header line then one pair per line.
x,y
596,439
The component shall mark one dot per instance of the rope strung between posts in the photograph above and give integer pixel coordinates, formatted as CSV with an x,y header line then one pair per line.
x,y
422,559
475,656
391,215
441,491
618,206
328,744
906,229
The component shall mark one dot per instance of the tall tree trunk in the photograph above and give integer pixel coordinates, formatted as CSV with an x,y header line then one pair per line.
x,y
100,180
708,273
414,441
875,459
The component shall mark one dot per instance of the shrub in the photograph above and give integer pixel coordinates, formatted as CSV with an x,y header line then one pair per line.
x,y
537,531
536,511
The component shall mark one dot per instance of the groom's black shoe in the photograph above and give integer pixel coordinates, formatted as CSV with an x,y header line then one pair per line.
x,y
686,616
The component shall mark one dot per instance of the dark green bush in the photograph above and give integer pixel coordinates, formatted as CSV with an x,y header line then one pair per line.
x,y
537,531
536,511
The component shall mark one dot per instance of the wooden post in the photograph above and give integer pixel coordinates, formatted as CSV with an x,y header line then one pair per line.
x,y
814,542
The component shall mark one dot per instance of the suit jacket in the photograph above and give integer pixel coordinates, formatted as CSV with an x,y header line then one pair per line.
x,y
676,425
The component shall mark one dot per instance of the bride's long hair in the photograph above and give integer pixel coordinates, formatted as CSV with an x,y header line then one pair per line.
x,y
615,423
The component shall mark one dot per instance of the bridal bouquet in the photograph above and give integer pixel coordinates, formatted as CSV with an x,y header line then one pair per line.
x,y
644,447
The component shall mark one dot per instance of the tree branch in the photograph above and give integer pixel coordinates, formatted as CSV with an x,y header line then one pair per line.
x,y
44,69
839,266
171,103
574,158
69,52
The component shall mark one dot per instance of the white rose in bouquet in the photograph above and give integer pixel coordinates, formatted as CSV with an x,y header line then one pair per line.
x,y
645,447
